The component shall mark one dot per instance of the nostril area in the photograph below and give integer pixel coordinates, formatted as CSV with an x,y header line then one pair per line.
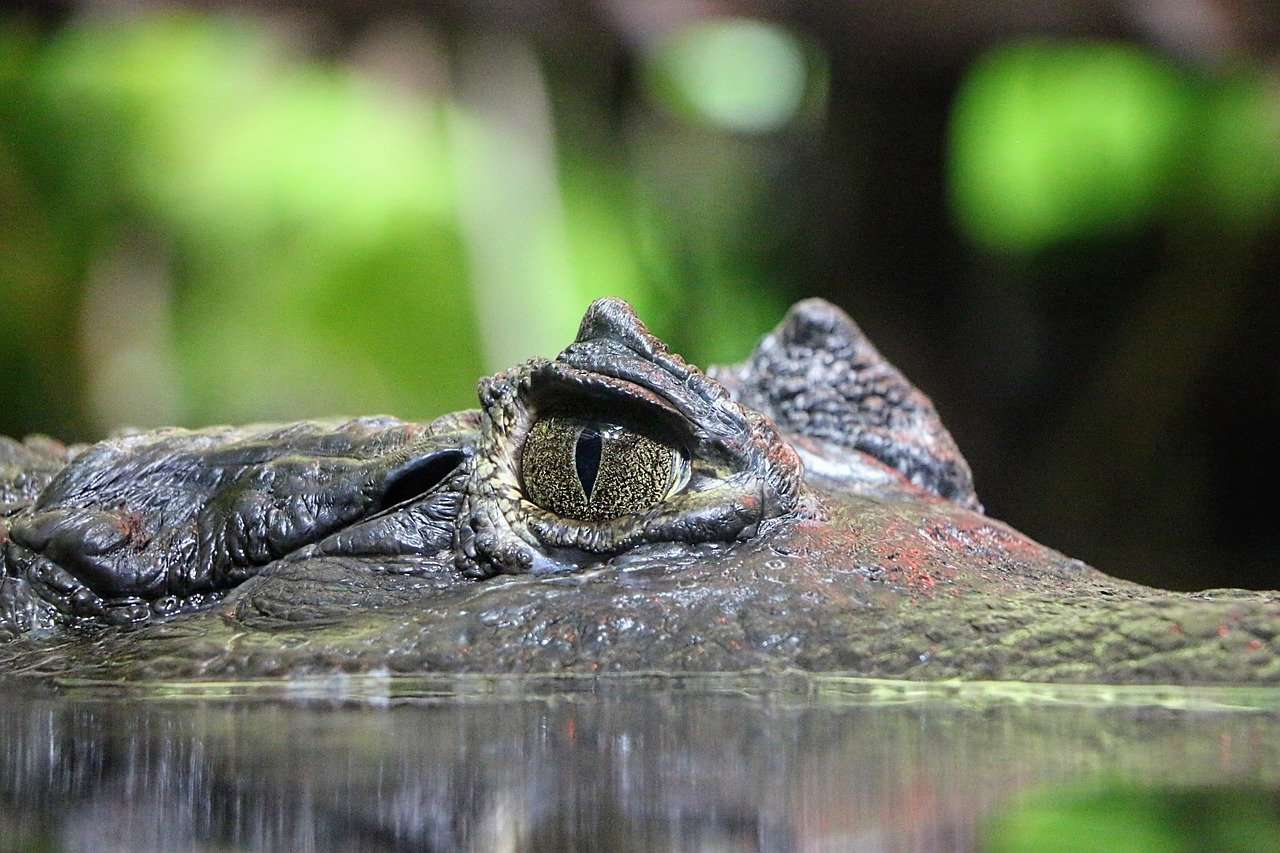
x,y
417,477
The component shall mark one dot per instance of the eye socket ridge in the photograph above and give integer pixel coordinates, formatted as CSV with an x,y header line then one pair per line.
x,y
560,391
595,470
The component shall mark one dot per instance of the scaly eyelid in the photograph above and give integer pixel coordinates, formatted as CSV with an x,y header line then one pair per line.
x,y
607,402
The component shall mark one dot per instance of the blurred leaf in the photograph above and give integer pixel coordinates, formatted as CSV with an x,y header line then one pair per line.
x,y
1239,179
310,215
734,74
307,221
1055,141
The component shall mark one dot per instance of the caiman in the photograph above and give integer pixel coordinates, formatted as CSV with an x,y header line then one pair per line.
x,y
614,509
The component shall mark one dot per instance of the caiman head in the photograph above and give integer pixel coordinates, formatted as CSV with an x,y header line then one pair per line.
x,y
615,444
614,508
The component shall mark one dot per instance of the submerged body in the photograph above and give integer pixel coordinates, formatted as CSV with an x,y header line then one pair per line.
x,y
613,510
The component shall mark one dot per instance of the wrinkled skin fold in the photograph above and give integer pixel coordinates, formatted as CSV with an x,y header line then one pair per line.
x,y
825,521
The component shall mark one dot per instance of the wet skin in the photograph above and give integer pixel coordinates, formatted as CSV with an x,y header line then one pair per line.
x,y
612,510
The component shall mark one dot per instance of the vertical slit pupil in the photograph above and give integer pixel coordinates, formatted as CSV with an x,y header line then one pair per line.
x,y
586,458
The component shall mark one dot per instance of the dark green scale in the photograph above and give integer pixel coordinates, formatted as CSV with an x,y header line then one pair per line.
x,y
595,472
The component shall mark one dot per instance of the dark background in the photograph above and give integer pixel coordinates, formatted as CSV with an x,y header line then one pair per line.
x,y
1059,219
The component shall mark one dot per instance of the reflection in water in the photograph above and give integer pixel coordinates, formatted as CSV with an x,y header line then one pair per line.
x,y
700,764
1128,818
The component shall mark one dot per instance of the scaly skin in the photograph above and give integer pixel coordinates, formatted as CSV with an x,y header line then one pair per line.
x,y
830,525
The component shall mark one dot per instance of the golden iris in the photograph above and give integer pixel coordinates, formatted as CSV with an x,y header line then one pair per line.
x,y
592,471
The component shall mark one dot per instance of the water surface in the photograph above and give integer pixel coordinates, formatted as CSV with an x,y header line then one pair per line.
x,y
617,764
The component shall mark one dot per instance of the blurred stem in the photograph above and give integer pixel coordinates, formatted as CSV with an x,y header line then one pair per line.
x,y
511,211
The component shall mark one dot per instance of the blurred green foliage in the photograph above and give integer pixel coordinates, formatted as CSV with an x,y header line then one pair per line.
x,y
1055,141
308,229
1137,820
735,74
305,219
199,224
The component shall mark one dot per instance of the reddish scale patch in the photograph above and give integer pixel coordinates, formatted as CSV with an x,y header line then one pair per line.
x,y
815,550
923,581
908,562
908,568
981,535
909,565
812,545
131,525
922,551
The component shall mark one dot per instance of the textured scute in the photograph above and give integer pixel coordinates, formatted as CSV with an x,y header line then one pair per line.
x,y
820,378
149,523
874,588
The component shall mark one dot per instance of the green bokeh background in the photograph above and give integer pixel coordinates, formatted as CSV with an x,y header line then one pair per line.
x,y
305,232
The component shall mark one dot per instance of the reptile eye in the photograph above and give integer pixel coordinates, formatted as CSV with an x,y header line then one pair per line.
x,y
595,471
